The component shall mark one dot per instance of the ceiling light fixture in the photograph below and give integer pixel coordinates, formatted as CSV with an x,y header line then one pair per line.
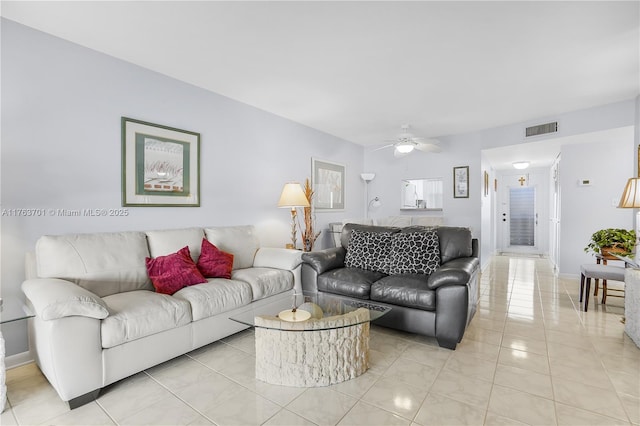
x,y
405,147
521,165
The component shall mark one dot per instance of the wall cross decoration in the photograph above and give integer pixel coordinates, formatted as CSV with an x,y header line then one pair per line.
x,y
522,180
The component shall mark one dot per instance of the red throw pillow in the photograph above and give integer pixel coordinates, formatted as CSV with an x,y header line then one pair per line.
x,y
172,272
213,262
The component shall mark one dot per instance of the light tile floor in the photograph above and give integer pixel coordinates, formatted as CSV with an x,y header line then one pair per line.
x,y
530,356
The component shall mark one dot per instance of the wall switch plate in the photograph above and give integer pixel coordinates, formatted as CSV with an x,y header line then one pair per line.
x,y
584,182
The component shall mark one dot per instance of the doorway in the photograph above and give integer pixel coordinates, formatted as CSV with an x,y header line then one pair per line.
x,y
523,212
522,217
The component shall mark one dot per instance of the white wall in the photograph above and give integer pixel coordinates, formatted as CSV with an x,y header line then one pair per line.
x,y
61,145
586,209
488,213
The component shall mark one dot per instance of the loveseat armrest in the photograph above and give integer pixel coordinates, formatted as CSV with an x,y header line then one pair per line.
x,y
53,298
279,258
325,260
454,272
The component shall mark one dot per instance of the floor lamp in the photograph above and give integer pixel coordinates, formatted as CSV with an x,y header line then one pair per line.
x,y
293,197
366,177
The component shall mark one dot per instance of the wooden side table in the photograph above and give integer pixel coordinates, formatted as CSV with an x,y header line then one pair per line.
x,y
601,259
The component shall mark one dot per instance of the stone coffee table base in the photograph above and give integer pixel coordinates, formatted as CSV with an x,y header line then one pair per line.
x,y
317,352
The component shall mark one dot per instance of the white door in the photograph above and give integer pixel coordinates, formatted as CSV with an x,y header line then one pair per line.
x,y
522,218
523,213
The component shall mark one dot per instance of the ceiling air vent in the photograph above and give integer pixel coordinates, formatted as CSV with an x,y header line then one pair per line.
x,y
542,129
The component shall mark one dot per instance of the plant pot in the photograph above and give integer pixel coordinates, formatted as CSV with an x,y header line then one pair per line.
x,y
606,252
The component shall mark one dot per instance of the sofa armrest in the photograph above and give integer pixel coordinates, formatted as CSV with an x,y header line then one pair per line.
x,y
325,260
279,258
455,272
53,298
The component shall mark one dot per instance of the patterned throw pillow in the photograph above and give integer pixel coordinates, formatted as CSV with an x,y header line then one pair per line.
x,y
369,250
414,253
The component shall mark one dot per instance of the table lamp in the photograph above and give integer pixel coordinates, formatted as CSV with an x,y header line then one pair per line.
x,y
293,196
631,200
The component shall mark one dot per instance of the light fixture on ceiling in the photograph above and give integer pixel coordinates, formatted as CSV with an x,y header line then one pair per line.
x,y
520,165
405,147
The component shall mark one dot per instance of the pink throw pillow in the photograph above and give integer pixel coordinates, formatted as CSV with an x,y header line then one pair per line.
x,y
172,272
213,262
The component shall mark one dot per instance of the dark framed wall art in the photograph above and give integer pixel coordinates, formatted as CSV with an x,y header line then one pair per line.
x,y
160,165
461,182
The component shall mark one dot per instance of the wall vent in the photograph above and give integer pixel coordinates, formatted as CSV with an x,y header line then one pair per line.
x,y
541,129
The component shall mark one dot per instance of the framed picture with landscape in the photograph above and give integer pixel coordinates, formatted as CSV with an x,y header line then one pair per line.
x,y
328,180
160,165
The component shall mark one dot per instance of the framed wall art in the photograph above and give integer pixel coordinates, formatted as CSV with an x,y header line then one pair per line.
x,y
328,181
461,182
486,183
160,165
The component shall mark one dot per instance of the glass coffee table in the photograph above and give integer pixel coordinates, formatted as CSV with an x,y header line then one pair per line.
x,y
325,341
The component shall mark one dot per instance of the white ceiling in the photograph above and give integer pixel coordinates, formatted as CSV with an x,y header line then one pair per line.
x,y
358,70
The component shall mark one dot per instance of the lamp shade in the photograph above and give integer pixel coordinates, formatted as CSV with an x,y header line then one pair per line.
x,y
293,196
631,196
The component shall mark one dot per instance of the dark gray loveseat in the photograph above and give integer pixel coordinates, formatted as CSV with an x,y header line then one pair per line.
x,y
428,276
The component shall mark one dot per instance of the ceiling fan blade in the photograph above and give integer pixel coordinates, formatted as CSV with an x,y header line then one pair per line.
x,y
430,145
383,147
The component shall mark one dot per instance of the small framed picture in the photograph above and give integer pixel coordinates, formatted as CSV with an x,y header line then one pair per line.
x,y
160,165
328,181
486,183
461,182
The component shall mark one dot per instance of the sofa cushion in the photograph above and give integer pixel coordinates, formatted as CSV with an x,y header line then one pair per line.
x,y
172,272
408,290
414,253
240,241
216,296
264,282
164,242
213,262
369,250
353,282
103,263
455,242
398,221
348,228
137,314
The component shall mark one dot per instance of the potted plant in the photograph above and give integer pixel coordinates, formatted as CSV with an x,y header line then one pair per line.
x,y
605,241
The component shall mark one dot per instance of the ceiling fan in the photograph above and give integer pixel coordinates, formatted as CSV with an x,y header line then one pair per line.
x,y
406,142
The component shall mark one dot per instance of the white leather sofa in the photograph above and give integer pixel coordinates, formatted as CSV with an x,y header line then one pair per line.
x,y
98,318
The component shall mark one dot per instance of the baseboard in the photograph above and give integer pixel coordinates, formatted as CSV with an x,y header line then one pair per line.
x,y
13,361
